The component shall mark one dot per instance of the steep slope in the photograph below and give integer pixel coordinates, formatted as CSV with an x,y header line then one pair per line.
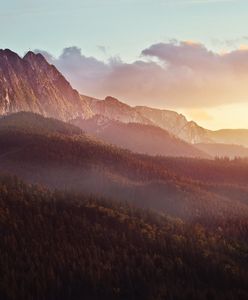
x,y
175,123
31,84
167,119
141,138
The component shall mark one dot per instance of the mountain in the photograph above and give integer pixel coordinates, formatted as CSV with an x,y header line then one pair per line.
x,y
83,219
31,84
171,121
175,123
71,160
116,110
138,137
190,131
83,230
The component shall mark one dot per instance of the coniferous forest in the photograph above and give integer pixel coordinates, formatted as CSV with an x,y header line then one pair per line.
x,y
80,219
123,150
57,245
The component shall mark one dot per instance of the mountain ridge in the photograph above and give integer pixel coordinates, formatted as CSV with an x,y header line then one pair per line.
x,y
137,137
61,158
32,84
171,121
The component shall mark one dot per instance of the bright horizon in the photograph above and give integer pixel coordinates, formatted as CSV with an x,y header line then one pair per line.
x,y
190,56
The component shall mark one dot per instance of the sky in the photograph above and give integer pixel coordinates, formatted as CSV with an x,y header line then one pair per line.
x,y
186,55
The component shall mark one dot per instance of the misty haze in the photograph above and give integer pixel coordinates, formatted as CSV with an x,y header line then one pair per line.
x,y
124,150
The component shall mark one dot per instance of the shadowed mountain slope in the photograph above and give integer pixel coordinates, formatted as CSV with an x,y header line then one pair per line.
x,y
141,138
68,159
176,124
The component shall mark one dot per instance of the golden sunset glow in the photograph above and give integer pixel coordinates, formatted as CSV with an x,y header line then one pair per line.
x,y
233,116
124,150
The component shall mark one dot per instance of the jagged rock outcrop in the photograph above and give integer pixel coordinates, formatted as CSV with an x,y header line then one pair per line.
x,y
32,84
116,110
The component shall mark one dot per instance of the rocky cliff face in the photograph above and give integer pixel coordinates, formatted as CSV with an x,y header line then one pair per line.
x,y
176,124
166,119
173,122
31,84
116,110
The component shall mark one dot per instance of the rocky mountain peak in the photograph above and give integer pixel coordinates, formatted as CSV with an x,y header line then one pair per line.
x,y
32,84
111,99
9,60
8,54
35,59
30,55
114,101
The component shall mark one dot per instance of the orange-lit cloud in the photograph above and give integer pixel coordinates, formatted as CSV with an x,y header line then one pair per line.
x,y
175,74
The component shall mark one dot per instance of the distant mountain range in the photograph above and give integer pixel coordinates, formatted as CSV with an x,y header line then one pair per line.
x,y
171,121
83,218
32,84
138,137
60,156
100,217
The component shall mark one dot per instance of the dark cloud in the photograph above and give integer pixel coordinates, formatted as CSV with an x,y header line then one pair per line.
x,y
174,74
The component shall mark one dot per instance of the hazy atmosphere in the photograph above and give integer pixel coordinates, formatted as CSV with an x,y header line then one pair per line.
x,y
123,150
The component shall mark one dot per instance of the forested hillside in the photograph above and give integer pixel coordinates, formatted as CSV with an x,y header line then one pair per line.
x,y
138,137
58,245
64,158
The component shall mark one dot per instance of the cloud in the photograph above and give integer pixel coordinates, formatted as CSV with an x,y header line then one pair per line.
x,y
102,49
85,73
175,74
230,43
